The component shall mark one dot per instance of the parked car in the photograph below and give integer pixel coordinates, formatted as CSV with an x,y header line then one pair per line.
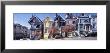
x,y
92,34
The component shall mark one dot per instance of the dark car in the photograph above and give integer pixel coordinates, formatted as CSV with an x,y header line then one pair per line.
x,y
92,34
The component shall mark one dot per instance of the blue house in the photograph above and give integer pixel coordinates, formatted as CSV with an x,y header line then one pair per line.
x,y
94,23
84,23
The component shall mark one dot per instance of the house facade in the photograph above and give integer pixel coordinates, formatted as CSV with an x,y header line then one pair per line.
x,y
47,25
36,26
59,21
84,24
94,23
71,20
21,32
58,24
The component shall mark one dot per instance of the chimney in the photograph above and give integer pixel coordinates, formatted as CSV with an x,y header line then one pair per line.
x,y
56,14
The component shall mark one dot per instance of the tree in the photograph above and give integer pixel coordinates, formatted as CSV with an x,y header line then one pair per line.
x,y
52,31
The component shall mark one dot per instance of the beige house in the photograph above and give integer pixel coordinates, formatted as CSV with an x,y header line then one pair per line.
x,y
47,25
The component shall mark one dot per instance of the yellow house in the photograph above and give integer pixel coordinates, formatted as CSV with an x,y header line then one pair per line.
x,y
47,25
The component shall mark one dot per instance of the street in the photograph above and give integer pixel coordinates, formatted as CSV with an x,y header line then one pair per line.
x,y
81,38
76,38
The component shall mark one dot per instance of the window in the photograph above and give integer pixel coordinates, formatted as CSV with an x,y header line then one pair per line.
x,y
81,26
73,22
63,23
45,30
80,21
68,22
37,26
93,25
93,19
86,21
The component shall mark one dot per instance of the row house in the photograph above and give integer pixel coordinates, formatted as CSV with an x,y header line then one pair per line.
x,y
47,26
94,23
71,24
58,21
84,23
36,26
71,20
21,32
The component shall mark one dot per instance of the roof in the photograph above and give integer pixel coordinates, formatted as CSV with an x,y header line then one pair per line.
x,y
83,16
17,25
94,16
69,16
24,27
58,17
47,18
87,16
35,20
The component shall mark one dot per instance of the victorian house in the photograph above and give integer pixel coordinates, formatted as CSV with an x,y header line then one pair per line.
x,y
71,24
94,23
36,26
47,25
59,21
84,23
20,32
71,20
58,24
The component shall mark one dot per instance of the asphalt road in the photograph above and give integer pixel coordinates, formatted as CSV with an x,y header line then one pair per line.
x,y
76,38
81,38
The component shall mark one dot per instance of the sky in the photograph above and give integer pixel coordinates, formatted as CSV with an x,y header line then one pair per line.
x,y
23,18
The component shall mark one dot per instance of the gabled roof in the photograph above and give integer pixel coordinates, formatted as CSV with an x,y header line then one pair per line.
x,y
94,16
58,17
24,27
35,19
17,25
69,15
83,16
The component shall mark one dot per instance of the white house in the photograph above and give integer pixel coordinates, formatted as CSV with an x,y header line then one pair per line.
x,y
47,25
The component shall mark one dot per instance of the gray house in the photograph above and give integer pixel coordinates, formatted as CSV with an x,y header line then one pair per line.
x,y
20,32
84,24
59,21
94,23
36,26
